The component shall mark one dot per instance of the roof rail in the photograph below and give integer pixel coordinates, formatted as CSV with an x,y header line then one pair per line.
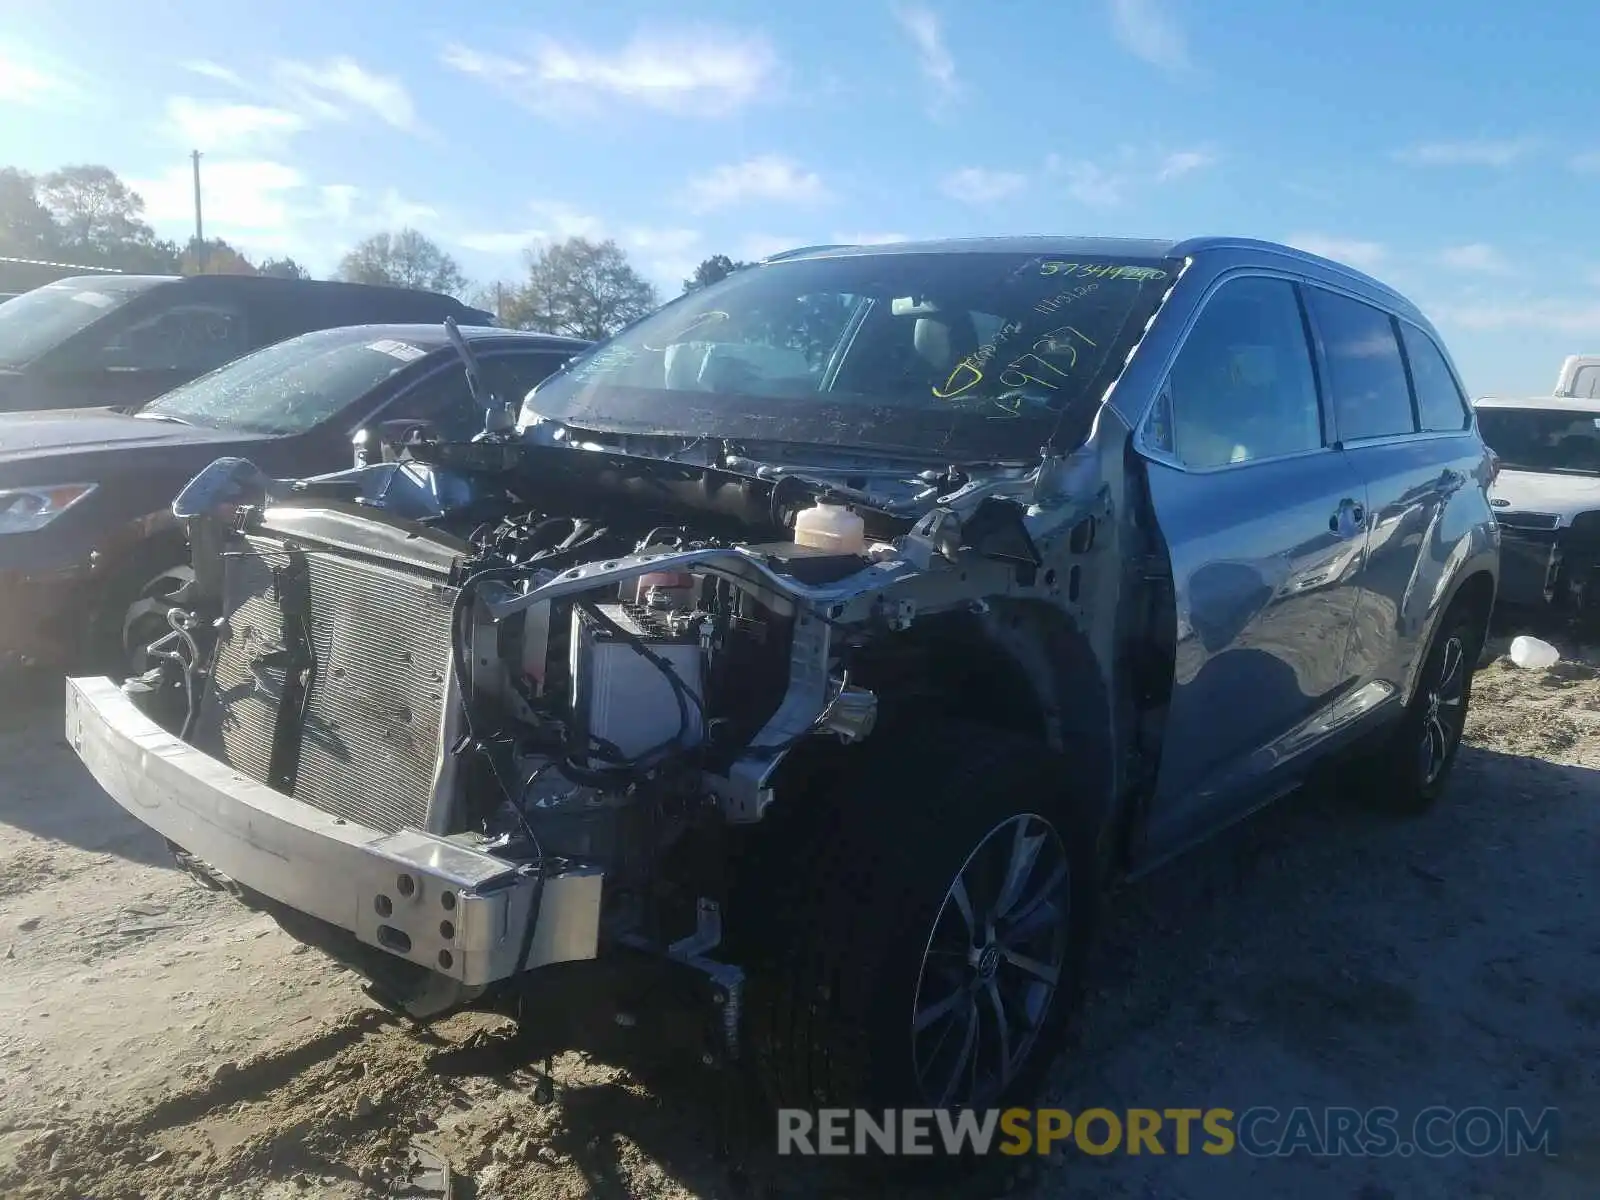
x,y
783,254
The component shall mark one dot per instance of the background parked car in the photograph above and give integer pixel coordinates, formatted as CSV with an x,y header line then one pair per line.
x,y
1547,499
87,538
118,340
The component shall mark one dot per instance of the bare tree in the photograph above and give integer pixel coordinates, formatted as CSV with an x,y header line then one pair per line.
x,y
580,288
404,259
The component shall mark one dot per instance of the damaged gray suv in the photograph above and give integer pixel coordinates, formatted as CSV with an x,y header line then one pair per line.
x,y
826,641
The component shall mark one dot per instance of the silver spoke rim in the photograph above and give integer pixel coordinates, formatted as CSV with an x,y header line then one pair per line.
x,y
1444,716
992,964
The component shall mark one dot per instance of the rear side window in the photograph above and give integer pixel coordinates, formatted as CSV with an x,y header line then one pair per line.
x,y
1366,375
1440,405
190,337
1242,387
1586,382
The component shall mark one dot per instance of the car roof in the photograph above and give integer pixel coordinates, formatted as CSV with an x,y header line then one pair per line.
x,y
432,336
1069,246
1580,405
262,283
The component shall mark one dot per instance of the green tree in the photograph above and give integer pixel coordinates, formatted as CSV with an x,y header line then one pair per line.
x,y
282,268
713,270
219,259
100,220
26,227
580,288
404,259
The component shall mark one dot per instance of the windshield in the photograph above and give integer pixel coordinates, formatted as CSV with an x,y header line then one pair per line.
x,y
1542,439
971,356
289,387
42,319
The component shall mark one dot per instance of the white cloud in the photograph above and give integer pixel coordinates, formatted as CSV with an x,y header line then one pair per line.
x,y
926,32
1575,317
979,185
225,127
217,71
290,98
1184,162
28,79
250,199
1094,185
706,70
1483,153
1364,256
334,87
1478,257
1146,31
765,177
870,239
549,221
265,207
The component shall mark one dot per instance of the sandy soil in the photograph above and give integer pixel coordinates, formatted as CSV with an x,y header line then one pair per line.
x,y
158,1040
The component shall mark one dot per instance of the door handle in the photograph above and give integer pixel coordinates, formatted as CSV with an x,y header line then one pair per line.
x,y
1348,519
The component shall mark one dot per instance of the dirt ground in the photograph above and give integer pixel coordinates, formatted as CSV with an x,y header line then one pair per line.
x,y
158,1040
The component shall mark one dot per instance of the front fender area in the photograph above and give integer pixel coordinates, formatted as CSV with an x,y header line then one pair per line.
x,y
49,611
1022,665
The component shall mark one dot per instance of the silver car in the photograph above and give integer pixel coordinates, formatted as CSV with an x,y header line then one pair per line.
x,y
831,637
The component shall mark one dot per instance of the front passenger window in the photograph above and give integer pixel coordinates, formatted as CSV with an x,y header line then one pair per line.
x,y
1242,388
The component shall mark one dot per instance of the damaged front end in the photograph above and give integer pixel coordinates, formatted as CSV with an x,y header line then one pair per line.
x,y
518,725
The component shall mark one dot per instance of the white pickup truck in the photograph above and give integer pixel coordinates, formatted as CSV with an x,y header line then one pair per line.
x,y
1580,377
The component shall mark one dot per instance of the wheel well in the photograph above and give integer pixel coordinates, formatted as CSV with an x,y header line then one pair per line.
x,y
1476,594
1021,667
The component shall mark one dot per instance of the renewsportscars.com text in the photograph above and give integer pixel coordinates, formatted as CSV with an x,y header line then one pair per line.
x,y
1260,1131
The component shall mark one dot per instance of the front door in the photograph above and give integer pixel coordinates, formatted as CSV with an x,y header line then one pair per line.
x,y
1264,520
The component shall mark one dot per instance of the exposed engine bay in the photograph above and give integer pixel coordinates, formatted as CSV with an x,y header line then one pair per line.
x,y
586,664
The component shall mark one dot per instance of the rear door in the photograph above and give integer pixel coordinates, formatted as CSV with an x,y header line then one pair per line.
x,y
1404,421
1263,517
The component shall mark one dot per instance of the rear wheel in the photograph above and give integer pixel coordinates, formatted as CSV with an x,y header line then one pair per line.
x,y
931,924
1408,773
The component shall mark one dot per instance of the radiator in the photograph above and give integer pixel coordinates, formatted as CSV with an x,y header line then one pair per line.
x,y
381,639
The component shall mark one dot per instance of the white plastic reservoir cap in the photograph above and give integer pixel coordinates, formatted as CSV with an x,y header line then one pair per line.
x,y
831,527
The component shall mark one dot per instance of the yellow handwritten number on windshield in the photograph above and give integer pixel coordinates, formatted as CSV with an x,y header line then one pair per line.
x,y
968,376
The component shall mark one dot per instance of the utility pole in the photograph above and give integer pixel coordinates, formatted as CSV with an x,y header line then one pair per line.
x,y
199,228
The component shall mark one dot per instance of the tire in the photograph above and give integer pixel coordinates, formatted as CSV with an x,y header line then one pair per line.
x,y
135,614
867,925
1410,770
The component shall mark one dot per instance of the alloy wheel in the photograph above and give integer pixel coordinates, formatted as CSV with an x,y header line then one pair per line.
x,y
1444,714
992,964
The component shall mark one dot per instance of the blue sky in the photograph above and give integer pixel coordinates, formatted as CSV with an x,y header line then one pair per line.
x,y
1449,149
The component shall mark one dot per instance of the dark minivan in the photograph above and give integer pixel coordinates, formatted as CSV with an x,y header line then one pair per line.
x,y
94,341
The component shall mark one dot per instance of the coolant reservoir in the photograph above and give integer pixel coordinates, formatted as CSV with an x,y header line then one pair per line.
x,y
831,527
